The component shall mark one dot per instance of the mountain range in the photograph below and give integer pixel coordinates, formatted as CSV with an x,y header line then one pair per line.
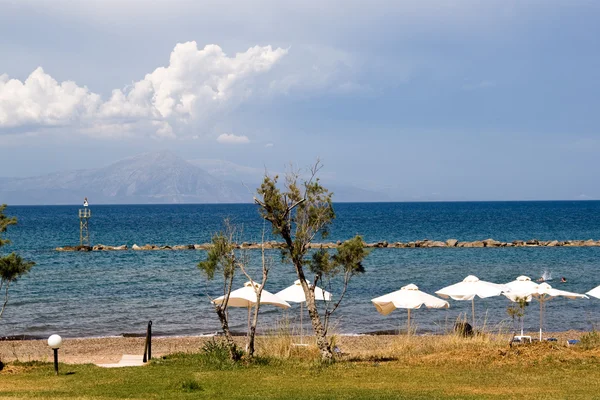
x,y
152,178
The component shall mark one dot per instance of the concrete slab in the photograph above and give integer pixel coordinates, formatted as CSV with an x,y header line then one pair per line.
x,y
128,360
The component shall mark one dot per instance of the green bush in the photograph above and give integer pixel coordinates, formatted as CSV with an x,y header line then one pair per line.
x,y
215,353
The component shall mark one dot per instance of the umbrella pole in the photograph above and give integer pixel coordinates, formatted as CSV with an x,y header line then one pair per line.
x,y
522,324
473,310
541,318
408,324
248,332
301,324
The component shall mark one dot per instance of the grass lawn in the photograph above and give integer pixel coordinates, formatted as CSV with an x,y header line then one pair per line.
x,y
549,374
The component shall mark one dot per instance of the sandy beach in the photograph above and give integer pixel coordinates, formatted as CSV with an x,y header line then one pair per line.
x,y
110,349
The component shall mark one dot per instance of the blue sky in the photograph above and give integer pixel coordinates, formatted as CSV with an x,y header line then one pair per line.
x,y
433,100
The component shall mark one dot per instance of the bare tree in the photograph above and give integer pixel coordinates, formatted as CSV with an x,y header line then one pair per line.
x,y
298,214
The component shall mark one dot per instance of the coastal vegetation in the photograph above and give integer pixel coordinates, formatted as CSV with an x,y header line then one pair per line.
x,y
12,266
298,214
224,259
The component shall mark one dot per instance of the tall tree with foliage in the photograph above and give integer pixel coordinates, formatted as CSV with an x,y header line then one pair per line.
x,y
299,213
12,266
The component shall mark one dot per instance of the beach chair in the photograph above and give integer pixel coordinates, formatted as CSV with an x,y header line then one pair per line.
x,y
572,342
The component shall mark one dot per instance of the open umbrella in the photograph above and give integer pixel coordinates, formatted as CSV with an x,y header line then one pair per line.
x,y
246,297
595,292
409,297
470,287
545,292
295,294
521,288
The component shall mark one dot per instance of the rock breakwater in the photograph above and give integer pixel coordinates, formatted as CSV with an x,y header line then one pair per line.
x,y
426,243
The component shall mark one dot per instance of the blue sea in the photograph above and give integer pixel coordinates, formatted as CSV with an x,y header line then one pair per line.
x,y
111,293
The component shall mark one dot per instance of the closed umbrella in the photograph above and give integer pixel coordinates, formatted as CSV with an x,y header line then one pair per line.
x,y
545,292
521,288
409,297
295,294
470,287
246,297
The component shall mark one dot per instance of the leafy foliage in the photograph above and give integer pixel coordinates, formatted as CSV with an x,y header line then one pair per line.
x,y
347,259
517,309
295,215
350,255
216,354
12,266
219,258
5,222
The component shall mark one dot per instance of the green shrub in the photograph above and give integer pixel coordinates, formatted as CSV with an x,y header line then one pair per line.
x,y
215,353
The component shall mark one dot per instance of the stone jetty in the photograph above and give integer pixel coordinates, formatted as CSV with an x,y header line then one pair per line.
x,y
426,243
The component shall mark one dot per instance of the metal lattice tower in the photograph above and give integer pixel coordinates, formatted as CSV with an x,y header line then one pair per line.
x,y
84,228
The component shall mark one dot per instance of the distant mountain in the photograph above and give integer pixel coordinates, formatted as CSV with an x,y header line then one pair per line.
x,y
253,176
229,170
153,178
148,178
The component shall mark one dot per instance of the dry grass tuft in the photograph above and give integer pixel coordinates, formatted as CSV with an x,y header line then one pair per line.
x,y
283,343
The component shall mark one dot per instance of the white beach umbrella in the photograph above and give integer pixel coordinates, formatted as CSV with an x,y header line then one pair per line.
x,y
595,292
545,292
470,287
408,297
246,297
521,288
295,294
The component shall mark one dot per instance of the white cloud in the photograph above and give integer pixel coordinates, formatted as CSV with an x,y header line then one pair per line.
x,y
197,86
269,145
230,138
41,100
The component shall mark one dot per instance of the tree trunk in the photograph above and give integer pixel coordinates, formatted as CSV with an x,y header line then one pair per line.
x,y
253,331
320,335
233,353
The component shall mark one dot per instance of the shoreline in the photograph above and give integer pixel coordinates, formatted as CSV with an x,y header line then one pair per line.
x,y
240,334
111,349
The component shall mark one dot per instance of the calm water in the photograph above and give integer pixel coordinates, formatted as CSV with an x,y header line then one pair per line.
x,y
109,293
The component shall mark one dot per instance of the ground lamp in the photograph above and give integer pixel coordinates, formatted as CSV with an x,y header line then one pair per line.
x,y
55,342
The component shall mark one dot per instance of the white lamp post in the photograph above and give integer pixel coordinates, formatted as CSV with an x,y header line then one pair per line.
x,y
55,341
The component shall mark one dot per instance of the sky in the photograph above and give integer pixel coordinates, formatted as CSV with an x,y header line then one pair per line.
x,y
422,100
